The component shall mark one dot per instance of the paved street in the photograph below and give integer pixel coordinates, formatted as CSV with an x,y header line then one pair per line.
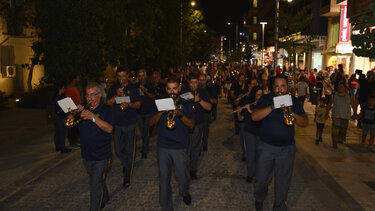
x,y
324,179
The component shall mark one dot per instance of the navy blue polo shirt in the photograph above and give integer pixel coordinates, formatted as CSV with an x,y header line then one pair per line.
x,y
147,104
214,90
251,126
179,137
238,89
273,130
95,143
129,116
199,111
160,91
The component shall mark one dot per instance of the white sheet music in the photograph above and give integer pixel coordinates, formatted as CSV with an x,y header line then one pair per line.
x,y
165,104
282,101
187,96
67,105
120,100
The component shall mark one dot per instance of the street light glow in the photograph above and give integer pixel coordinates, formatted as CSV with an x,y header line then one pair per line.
x,y
290,0
193,3
229,23
263,23
205,31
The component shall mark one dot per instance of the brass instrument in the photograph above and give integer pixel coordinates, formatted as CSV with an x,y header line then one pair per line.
x,y
122,107
288,117
170,123
74,120
193,106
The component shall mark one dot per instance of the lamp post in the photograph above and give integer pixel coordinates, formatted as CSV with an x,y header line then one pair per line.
x,y
277,7
263,26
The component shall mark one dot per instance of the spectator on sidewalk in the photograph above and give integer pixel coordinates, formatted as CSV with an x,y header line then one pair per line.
x,y
368,125
302,91
58,120
96,150
276,148
341,113
320,119
72,91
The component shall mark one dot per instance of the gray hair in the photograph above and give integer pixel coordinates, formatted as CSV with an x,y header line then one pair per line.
x,y
91,85
142,71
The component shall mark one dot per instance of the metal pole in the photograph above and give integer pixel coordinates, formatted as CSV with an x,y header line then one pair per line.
x,y
181,25
236,36
276,34
263,25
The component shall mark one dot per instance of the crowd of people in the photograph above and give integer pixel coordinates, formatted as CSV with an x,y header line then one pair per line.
x,y
266,132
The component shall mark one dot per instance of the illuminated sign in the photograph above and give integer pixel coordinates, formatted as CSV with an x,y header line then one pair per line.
x,y
344,25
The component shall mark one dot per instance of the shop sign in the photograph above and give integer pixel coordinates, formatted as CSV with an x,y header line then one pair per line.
x,y
344,25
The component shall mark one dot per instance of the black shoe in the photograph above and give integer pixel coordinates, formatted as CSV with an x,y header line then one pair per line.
x,y
126,183
244,159
144,155
205,149
65,150
249,179
187,199
193,175
320,139
317,141
258,205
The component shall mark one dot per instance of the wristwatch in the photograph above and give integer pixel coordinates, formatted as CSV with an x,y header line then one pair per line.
x,y
93,119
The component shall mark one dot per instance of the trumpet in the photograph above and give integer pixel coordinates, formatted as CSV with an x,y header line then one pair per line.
x,y
170,123
74,120
122,107
288,117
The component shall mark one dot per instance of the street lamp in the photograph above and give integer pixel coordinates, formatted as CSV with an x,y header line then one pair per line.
x,y
277,7
263,26
192,3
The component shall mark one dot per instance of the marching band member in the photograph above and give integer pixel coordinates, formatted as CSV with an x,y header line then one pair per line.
x,y
172,147
125,121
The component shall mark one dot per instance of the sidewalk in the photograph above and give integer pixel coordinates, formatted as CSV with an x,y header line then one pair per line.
x,y
26,147
350,169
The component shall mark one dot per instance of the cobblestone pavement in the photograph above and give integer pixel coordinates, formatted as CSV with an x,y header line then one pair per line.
x,y
221,184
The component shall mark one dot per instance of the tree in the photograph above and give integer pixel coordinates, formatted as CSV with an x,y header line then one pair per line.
x,y
364,42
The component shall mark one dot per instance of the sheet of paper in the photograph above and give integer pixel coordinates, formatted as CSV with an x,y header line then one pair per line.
x,y
165,104
120,100
141,93
187,96
282,101
67,105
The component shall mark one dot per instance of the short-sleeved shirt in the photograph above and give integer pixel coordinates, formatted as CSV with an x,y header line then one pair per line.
x,y
238,89
369,115
129,116
320,114
95,143
73,92
302,88
147,104
251,126
199,110
273,130
179,137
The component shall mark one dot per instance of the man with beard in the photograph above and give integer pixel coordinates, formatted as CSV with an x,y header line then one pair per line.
x,y
276,147
172,147
147,93
125,120
201,104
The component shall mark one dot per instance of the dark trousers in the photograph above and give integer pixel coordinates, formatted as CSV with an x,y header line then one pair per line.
x,y
214,111
125,148
195,146
206,129
60,132
73,135
98,188
269,158
142,120
251,142
166,158
241,127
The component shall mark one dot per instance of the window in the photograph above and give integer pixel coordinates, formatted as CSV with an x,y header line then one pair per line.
x,y
255,19
255,36
255,3
335,33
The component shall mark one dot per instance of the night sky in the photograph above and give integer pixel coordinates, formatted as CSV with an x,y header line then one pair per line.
x,y
218,12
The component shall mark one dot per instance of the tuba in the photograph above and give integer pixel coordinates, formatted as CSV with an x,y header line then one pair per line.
x,y
122,107
288,117
74,120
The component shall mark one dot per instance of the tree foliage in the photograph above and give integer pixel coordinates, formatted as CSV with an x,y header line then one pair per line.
x,y
364,42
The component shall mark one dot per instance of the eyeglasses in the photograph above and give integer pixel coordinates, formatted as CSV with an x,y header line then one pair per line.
x,y
92,94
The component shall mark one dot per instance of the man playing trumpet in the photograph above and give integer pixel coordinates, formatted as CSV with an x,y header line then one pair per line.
x,y
172,147
276,147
